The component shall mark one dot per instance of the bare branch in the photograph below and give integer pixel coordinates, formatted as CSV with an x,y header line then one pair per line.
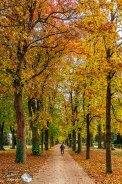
x,y
45,37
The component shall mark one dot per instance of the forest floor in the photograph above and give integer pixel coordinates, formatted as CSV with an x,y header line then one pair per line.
x,y
50,168
10,172
54,168
95,166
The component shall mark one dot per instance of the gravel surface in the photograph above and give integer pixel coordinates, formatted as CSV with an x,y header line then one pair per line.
x,y
61,169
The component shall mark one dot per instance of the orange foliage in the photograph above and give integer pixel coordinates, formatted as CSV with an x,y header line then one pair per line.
x,y
95,167
10,172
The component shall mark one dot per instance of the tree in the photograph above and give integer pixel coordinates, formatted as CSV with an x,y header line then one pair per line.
x,y
26,26
101,24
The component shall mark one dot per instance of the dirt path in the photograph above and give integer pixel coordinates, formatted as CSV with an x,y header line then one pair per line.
x,y
61,169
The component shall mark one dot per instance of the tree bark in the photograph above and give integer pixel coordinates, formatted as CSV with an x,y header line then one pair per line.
x,y
91,140
13,137
21,129
1,135
104,140
74,140
108,126
29,137
99,136
69,140
35,141
18,105
79,142
51,141
88,137
74,109
42,140
46,137
33,107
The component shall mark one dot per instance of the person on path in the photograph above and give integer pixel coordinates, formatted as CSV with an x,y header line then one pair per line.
x,y
62,147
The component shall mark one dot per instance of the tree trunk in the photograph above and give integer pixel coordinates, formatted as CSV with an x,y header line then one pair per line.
x,y
79,141
69,140
91,140
35,141
46,137
74,112
29,137
51,141
99,136
42,140
88,137
13,137
1,135
108,126
119,139
18,104
33,107
104,140
74,140
21,142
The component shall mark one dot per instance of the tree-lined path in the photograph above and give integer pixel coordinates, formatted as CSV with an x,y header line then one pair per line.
x,y
61,169
61,81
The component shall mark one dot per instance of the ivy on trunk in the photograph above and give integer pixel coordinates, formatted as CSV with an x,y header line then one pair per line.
x,y
21,128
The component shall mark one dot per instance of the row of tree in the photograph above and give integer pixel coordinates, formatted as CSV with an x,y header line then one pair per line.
x,y
61,60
